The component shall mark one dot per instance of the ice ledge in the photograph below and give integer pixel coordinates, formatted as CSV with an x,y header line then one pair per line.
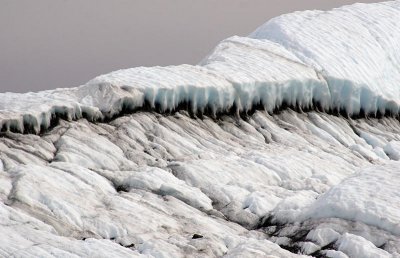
x,y
345,60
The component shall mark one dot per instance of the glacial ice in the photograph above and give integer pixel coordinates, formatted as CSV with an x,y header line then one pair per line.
x,y
273,146
145,183
344,60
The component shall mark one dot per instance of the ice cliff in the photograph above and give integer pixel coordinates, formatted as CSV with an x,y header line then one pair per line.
x,y
345,60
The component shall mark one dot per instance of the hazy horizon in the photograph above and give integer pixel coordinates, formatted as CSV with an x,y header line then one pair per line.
x,y
49,44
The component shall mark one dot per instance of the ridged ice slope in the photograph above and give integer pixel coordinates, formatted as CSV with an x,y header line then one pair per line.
x,y
263,184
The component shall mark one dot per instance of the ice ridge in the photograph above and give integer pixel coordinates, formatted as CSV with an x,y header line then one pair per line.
x,y
343,60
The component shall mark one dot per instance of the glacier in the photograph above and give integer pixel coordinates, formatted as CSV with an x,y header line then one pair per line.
x,y
341,61
284,143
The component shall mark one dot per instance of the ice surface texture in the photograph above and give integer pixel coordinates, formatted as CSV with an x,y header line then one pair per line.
x,y
343,60
145,184
115,178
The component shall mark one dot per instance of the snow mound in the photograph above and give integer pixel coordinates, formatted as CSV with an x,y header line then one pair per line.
x,y
369,196
355,48
344,60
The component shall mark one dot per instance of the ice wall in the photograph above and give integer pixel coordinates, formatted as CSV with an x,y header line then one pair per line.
x,y
346,60
355,48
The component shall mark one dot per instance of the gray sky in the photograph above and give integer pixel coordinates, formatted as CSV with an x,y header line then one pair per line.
x,y
46,44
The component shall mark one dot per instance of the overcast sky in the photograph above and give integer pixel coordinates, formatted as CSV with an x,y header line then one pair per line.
x,y
46,44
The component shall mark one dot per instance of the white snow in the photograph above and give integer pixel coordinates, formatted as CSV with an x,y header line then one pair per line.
x,y
392,149
323,236
356,246
335,254
344,59
147,184
371,196
153,181
353,47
